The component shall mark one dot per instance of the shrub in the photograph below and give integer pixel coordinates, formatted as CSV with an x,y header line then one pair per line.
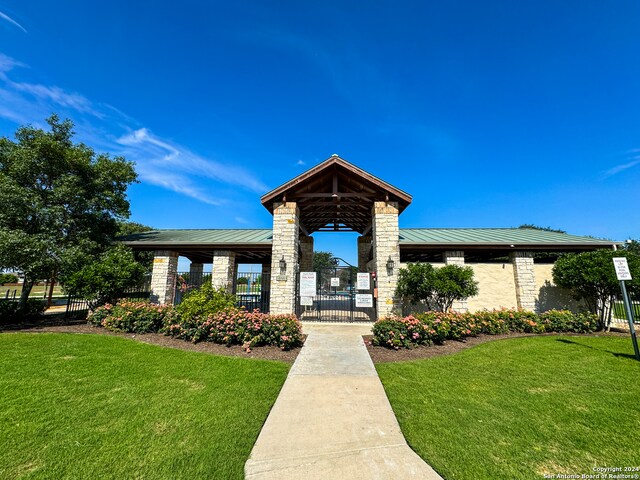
x,y
132,317
8,278
9,310
565,321
437,327
204,301
234,326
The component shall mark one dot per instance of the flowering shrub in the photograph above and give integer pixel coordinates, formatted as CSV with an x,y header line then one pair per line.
x,y
565,321
436,327
132,317
234,326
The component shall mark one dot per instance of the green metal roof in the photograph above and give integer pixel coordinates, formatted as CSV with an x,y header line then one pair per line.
x,y
199,237
493,236
408,237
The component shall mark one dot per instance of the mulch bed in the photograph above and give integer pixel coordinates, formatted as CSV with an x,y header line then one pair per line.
x,y
81,327
385,355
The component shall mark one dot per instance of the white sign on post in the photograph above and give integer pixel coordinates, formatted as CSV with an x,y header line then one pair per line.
x,y
364,282
335,281
622,268
364,300
307,284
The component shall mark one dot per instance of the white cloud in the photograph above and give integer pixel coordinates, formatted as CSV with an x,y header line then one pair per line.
x,y
6,17
301,162
622,167
241,220
159,161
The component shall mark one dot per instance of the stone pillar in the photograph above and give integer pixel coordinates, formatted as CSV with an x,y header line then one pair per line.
x,y
195,274
456,257
306,254
386,245
525,279
223,269
364,248
285,247
163,277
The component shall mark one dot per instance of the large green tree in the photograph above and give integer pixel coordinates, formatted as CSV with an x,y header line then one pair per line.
x,y
61,202
591,277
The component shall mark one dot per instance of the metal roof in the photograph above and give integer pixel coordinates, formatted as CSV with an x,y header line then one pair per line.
x,y
494,237
408,237
199,237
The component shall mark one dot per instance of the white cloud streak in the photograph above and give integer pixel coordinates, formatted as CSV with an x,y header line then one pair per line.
x,y
622,167
6,17
159,161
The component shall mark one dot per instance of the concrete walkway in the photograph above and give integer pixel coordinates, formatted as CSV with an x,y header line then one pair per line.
x,y
332,419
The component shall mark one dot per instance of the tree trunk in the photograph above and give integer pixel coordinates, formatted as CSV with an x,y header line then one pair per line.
x,y
27,285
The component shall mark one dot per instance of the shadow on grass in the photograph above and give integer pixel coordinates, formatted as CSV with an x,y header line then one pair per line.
x,y
615,354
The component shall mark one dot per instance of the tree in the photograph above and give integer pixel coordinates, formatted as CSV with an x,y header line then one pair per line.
x,y
633,246
323,260
125,228
107,279
60,202
531,226
591,277
437,288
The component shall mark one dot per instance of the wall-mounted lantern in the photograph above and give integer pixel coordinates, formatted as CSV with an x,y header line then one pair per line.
x,y
390,265
283,266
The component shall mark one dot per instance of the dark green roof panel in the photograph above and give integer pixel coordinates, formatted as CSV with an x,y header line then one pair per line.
x,y
491,236
200,237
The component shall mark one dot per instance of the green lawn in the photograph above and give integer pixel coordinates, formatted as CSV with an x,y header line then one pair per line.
x,y
94,406
521,408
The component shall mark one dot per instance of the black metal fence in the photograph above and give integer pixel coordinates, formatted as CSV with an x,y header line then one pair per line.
x,y
252,289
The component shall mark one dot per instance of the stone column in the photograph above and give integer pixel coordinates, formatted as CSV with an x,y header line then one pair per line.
x,y
306,254
285,247
364,248
223,269
456,257
386,245
195,274
163,277
525,279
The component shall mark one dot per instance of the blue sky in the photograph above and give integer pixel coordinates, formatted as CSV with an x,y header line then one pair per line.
x,y
491,114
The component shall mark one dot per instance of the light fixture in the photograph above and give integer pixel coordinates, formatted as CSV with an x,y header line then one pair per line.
x,y
390,265
283,266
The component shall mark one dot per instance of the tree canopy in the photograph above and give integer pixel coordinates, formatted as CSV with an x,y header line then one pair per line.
x,y
591,278
61,201
437,288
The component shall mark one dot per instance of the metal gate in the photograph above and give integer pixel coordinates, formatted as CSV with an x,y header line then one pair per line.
x,y
340,295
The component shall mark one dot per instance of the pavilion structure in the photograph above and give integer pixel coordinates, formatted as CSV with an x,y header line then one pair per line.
x,y
512,266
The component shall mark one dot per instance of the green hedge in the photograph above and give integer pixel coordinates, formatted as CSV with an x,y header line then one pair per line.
x,y
437,327
132,317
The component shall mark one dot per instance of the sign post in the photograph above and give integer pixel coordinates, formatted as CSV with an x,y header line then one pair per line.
x,y
623,273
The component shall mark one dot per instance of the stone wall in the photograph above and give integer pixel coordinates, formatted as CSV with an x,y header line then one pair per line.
x,y
525,279
223,270
285,246
386,245
548,295
496,287
163,277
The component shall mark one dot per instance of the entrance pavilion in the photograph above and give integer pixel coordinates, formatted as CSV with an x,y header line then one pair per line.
x,y
512,266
